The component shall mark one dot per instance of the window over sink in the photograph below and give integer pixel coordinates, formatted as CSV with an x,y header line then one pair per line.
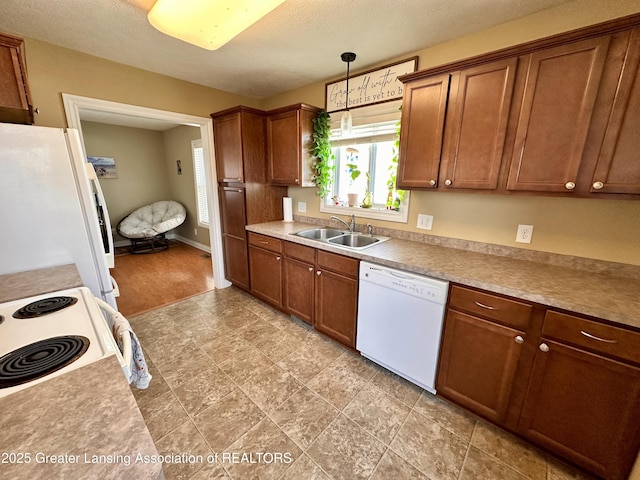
x,y
365,166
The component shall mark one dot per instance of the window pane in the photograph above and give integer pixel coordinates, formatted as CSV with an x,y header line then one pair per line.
x,y
201,182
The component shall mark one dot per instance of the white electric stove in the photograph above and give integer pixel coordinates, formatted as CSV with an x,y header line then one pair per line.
x,y
48,335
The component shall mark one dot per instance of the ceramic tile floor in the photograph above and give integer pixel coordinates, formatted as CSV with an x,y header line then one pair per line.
x,y
233,376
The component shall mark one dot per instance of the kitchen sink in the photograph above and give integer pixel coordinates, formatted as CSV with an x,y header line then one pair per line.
x,y
320,233
354,240
341,238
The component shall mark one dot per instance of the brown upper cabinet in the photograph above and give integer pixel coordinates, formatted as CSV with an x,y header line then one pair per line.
x,y
560,90
239,140
618,165
557,116
15,99
289,137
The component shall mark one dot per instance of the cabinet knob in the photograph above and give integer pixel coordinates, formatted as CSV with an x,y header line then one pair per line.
x,y
569,185
311,269
544,347
597,185
278,258
318,273
432,183
296,180
448,182
519,339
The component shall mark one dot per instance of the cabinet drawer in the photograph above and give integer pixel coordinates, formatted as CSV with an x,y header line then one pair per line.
x,y
301,252
268,243
599,337
505,310
338,263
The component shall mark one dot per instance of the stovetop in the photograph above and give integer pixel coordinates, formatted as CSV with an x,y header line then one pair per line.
x,y
75,328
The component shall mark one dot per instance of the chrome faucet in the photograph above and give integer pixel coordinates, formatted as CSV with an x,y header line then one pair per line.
x,y
351,226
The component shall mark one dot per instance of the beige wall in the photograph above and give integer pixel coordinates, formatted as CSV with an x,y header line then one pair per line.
x,y
177,145
140,165
601,229
54,70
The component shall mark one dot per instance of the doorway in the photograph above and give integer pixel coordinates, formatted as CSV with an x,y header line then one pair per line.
x,y
77,108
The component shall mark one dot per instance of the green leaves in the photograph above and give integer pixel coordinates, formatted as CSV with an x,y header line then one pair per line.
x,y
321,149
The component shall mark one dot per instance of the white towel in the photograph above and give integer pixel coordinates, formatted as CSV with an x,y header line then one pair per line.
x,y
139,374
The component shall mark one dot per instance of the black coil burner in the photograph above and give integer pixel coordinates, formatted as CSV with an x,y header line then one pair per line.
x,y
44,306
40,358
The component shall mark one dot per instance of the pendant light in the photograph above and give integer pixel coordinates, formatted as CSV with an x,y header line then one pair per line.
x,y
346,122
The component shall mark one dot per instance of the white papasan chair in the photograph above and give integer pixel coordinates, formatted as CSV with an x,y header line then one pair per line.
x,y
146,226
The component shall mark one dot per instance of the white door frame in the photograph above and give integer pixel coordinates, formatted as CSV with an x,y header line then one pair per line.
x,y
73,104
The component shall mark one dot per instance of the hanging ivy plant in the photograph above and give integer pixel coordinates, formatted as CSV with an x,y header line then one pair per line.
x,y
395,196
321,149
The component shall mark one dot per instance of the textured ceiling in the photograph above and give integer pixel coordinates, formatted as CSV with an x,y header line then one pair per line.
x,y
299,43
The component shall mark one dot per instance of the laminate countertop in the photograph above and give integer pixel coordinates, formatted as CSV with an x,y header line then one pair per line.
x,y
83,424
595,292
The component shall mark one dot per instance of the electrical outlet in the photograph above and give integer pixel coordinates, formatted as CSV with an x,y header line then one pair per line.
x,y
195,231
425,222
302,207
525,232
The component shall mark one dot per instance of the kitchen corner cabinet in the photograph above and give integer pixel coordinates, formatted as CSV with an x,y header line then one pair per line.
x,y
239,141
565,382
265,265
15,99
289,140
336,297
555,112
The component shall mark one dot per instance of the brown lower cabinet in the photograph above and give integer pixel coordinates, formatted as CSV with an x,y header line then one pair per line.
x,y
265,265
300,280
565,382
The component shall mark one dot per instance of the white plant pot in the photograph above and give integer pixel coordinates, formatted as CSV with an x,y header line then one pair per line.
x,y
353,199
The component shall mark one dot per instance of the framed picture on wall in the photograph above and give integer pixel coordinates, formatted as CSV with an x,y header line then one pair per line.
x,y
105,167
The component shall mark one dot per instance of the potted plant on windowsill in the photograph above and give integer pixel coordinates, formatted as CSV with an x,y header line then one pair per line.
x,y
321,149
354,173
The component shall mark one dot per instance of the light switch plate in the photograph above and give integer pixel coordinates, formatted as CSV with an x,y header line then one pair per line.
x,y
302,207
425,222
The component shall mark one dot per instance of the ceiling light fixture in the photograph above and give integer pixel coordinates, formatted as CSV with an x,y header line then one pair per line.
x,y
346,122
206,23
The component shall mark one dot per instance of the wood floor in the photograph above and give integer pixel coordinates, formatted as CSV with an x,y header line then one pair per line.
x,y
148,281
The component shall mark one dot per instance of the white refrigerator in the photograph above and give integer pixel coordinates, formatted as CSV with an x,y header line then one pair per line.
x,y
52,211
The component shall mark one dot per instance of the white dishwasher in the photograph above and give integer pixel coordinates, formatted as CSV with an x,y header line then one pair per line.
x,y
400,318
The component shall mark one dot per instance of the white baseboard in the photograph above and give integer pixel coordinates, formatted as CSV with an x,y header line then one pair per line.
x,y
171,236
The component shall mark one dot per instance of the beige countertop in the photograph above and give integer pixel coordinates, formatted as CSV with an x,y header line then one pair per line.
x,y
603,295
83,424
34,282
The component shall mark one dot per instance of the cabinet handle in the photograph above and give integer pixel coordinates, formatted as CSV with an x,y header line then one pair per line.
x,y
593,337
263,242
311,269
544,347
448,182
318,273
569,185
296,180
519,339
432,183
488,307
597,185
278,258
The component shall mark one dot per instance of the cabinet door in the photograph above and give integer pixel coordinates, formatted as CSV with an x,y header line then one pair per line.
x,y
228,145
299,289
236,262
423,111
336,306
477,118
233,211
266,275
555,113
618,167
15,104
284,149
586,407
478,363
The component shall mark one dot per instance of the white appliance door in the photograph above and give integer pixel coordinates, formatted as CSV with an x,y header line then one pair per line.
x,y
103,214
43,216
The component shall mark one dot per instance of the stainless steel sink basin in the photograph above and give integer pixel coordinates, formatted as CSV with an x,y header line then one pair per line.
x,y
320,233
341,238
354,240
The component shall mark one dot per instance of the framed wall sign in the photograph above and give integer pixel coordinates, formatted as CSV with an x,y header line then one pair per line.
x,y
374,86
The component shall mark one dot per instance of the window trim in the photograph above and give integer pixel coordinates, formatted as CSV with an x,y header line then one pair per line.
x,y
199,205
